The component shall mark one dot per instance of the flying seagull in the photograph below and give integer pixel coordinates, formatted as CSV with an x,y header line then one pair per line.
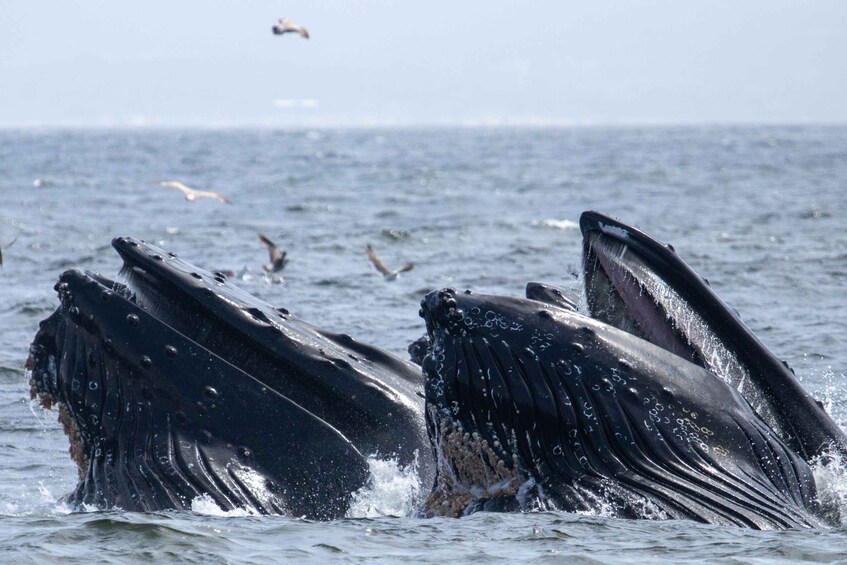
x,y
191,194
284,25
380,266
7,247
276,255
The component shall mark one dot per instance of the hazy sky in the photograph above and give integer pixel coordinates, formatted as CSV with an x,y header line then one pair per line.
x,y
393,63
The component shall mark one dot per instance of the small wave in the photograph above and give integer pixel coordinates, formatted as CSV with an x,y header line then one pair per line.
x,y
556,224
43,182
393,491
396,234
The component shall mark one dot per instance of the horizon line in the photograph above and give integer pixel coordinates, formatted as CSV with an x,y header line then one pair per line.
x,y
404,125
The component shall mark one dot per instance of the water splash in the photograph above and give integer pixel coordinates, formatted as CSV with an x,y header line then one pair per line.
x,y
830,471
392,491
206,506
45,503
830,391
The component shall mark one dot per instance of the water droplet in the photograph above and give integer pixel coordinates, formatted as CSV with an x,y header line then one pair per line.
x,y
132,320
170,351
563,367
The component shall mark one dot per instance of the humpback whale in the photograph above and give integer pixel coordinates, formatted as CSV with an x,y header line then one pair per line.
x,y
657,402
531,405
176,384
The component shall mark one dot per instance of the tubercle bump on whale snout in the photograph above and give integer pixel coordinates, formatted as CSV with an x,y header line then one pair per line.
x,y
441,310
124,241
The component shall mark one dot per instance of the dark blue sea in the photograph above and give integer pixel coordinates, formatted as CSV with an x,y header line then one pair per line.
x,y
759,211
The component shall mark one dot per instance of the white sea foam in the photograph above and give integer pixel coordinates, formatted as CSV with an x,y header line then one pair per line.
x,y
556,224
831,481
830,471
205,505
393,491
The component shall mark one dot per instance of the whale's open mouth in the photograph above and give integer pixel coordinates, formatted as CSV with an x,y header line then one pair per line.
x,y
174,384
633,282
640,285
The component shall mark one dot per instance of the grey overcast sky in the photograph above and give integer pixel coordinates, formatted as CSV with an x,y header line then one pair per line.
x,y
216,63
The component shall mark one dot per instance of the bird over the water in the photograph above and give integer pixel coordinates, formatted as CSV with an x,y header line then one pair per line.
x,y
380,266
192,194
276,255
284,25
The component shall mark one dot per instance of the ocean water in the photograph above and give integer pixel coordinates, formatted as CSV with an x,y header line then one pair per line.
x,y
760,212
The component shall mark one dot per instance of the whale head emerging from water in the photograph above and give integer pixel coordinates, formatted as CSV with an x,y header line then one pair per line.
x,y
641,285
534,405
178,384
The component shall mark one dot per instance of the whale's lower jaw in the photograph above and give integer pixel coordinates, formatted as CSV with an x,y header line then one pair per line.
x,y
155,421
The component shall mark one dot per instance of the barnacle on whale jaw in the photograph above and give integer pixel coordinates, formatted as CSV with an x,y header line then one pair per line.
x,y
471,474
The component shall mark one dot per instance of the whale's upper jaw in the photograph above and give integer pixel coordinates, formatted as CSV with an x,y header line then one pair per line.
x,y
175,288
